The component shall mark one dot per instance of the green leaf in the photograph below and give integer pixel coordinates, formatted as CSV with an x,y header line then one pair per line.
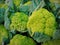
x,y
2,15
7,21
9,3
24,9
40,37
57,35
38,4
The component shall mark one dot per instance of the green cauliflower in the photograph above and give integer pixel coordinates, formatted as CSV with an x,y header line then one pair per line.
x,y
21,40
42,21
52,42
3,34
19,22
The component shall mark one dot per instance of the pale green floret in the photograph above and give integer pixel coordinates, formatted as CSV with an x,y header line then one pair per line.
x,y
3,33
42,21
21,40
52,42
19,22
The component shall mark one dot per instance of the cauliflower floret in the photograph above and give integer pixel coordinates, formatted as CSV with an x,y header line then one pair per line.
x,y
19,22
21,40
3,33
42,21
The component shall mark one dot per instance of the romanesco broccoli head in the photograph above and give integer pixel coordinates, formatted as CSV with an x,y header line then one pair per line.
x,y
21,40
42,21
19,22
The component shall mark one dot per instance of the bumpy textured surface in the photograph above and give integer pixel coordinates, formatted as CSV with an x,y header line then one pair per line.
x,y
3,33
21,40
19,22
42,21
52,42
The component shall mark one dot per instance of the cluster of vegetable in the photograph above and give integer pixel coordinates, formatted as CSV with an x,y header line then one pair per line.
x,y
29,22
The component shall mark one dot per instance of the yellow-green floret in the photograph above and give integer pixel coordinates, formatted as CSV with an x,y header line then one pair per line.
x,y
3,33
21,40
42,21
19,22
